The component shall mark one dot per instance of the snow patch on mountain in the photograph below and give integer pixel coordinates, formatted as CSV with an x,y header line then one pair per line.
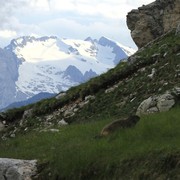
x,y
50,64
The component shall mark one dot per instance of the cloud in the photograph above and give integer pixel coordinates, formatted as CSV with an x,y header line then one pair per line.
x,y
40,4
113,9
138,2
7,33
67,18
107,8
68,28
7,8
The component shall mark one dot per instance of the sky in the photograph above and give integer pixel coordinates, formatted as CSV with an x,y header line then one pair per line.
x,y
76,19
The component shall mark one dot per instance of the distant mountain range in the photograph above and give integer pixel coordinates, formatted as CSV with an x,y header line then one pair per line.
x,y
29,65
31,100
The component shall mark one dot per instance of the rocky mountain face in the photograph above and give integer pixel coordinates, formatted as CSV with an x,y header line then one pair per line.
x,y
151,21
29,65
9,64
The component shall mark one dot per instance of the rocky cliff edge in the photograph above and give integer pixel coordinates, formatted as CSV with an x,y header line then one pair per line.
x,y
153,20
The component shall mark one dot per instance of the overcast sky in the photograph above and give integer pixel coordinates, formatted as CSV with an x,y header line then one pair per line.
x,y
76,19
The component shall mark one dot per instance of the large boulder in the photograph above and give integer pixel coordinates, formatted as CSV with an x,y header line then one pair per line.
x,y
153,20
147,106
14,169
165,102
155,104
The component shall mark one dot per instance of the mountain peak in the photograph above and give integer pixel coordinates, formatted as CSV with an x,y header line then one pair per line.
x,y
23,40
106,41
50,64
89,39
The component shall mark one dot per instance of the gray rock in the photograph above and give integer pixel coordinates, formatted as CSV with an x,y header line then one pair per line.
x,y
68,113
60,95
54,130
12,174
153,71
111,89
155,104
13,135
153,20
62,123
14,169
76,110
90,97
152,110
49,117
146,105
83,103
165,102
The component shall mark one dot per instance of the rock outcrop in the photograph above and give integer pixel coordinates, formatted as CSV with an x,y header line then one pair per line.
x,y
159,103
14,169
153,20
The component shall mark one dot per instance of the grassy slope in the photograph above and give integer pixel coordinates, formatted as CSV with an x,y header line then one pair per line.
x,y
134,84
153,146
150,150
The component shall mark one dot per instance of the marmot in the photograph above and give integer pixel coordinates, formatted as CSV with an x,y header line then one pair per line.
x,y
119,124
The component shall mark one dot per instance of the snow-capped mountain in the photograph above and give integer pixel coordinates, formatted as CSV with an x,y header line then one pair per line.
x,y
32,65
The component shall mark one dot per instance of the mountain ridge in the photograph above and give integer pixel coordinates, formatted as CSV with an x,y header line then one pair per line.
x,y
42,64
32,100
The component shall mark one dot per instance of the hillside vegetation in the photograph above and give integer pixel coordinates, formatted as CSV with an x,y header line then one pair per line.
x,y
150,150
131,78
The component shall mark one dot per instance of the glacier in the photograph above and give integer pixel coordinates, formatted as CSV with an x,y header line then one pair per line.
x,y
30,65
